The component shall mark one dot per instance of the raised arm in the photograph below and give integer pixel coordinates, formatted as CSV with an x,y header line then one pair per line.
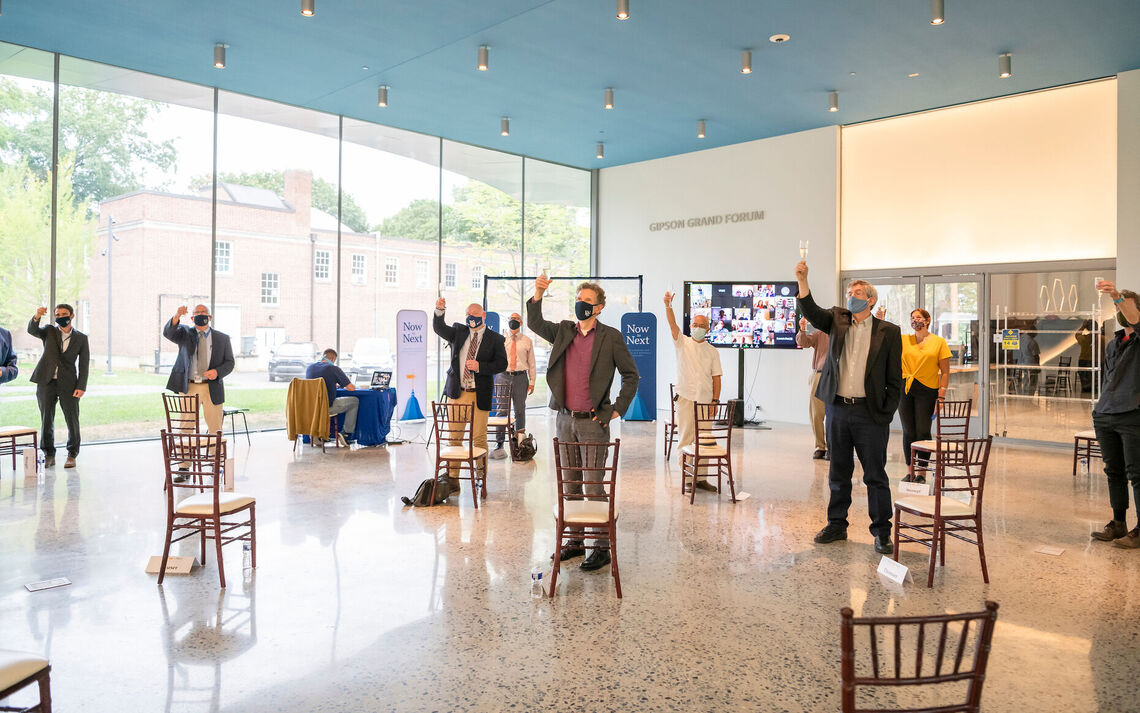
x,y
538,325
34,327
820,318
442,328
172,330
676,330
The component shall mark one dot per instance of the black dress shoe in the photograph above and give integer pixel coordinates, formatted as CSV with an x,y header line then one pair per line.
x,y
921,479
819,454
883,545
826,456
49,461
571,551
908,478
596,560
831,533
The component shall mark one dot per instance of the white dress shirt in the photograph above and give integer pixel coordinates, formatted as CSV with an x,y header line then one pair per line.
x,y
524,354
853,361
65,338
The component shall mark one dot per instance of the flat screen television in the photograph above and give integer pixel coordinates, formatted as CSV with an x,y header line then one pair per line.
x,y
745,315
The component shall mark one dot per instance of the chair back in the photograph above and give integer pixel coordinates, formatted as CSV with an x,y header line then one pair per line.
x,y
592,467
965,471
201,454
307,408
1065,362
454,422
714,422
501,394
941,649
673,404
953,421
181,412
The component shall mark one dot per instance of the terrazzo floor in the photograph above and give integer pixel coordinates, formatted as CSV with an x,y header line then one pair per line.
x,y
359,604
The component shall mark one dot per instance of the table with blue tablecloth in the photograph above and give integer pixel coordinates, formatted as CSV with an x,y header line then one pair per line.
x,y
374,419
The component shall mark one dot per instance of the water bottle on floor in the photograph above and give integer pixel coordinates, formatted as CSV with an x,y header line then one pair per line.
x,y
245,555
536,583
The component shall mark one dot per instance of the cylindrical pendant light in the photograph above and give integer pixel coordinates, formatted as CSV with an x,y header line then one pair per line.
x,y
833,101
308,7
1005,65
937,12
601,150
220,55
609,100
623,9
746,62
382,96
505,126
484,58
701,129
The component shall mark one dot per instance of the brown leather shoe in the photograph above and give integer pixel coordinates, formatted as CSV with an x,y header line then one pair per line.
x,y
70,462
1113,530
1131,541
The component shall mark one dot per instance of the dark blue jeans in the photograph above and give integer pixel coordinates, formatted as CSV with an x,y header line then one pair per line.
x,y
1119,437
850,432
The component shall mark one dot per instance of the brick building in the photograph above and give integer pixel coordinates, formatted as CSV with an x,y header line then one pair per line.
x,y
276,275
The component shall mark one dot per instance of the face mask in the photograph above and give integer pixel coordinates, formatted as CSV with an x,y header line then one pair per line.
x,y
63,321
474,322
917,324
1119,319
514,324
583,310
857,304
699,333
201,319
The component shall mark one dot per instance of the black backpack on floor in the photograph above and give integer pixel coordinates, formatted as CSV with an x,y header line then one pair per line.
x,y
524,450
422,498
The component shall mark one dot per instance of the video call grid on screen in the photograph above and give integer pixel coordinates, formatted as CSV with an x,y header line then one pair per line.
x,y
745,315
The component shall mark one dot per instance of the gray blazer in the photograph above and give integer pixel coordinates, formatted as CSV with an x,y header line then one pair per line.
x,y
72,364
221,358
610,353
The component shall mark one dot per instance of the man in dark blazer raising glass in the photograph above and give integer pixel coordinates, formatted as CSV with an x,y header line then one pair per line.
x,y
60,377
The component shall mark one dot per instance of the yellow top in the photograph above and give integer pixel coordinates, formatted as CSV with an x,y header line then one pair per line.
x,y
920,361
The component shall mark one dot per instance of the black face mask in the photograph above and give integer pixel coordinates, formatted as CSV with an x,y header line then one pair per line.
x,y
583,310
201,319
474,322
514,324
63,321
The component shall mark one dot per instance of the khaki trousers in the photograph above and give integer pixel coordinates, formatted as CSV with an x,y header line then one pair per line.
x,y
211,412
479,432
817,409
687,429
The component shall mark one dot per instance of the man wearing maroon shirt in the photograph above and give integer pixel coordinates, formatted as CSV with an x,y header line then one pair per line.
x,y
580,373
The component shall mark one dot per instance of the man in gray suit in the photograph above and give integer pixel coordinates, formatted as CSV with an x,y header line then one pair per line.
x,y
204,359
583,357
60,377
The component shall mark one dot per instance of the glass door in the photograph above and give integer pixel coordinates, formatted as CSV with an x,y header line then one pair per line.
x,y
954,303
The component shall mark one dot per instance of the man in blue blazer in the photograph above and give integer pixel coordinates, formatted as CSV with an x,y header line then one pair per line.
x,y
9,369
205,358
60,377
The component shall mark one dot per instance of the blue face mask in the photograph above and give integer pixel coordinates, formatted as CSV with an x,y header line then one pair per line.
x,y
698,333
583,310
474,322
857,304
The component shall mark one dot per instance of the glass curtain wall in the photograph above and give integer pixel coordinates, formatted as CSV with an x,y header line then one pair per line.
x,y
324,228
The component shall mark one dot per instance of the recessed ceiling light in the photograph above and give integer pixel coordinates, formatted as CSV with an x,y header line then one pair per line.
x,y
364,67
780,38
852,74
912,75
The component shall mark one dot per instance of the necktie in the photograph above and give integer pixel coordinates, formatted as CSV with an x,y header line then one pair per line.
x,y
472,345
203,361
514,351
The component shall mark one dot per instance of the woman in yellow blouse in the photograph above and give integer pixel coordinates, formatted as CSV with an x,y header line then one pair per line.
x,y
926,374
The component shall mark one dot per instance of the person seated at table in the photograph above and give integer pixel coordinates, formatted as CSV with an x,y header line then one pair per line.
x,y
327,369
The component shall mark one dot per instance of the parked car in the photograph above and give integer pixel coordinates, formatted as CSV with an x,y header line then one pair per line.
x,y
291,359
368,355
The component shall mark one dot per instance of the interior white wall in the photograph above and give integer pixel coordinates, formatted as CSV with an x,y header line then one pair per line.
x,y
1030,177
1128,179
792,178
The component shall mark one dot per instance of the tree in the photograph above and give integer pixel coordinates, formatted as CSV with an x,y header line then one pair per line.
x,y
324,194
102,135
25,242
419,220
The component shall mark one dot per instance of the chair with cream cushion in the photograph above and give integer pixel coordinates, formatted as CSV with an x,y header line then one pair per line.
x,y
671,424
500,420
1085,442
201,514
455,449
19,670
931,517
711,454
13,436
586,510
951,425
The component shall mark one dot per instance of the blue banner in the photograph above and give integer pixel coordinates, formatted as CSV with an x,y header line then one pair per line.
x,y
492,320
640,332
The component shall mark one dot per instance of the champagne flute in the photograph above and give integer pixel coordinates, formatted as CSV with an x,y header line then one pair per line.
x,y
803,249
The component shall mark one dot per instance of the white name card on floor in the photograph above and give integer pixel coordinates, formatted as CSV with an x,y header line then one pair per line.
x,y
906,488
228,478
743,496
30,465
894,571
47,584
1049,550
174,565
